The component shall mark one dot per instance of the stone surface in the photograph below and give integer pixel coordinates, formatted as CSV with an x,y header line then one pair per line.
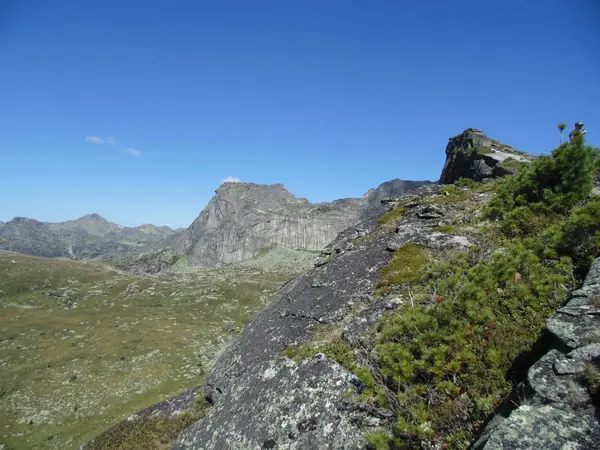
x,y
556,388
546,427
274,398
577,323
473,155
284,404
414,233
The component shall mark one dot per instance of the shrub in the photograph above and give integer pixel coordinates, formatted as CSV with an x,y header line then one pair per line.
x,y
556,183
378,440
445,361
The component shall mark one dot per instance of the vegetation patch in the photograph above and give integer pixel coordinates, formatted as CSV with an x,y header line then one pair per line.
x,y
406,267
513,164
449,194
591,376
393,215
144,433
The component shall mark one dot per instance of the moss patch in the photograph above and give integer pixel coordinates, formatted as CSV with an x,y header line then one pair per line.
x,y
393,215
407,266
513,164
591,376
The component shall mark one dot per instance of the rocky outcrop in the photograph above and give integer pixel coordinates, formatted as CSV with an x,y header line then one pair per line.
x,y
471,154
561,411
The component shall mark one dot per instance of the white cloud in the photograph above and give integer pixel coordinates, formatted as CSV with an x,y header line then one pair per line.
x,y
231,180
111,140
133,151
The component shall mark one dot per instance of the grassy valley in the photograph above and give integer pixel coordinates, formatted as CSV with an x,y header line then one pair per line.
x,y
83,346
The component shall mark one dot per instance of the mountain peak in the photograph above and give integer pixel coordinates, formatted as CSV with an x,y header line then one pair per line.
x,y
24,220
244,186
94,217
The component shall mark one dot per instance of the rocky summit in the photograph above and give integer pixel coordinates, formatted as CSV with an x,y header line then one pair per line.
x,y
471,154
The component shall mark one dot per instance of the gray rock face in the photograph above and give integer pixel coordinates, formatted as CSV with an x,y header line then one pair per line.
x,y
473,155
578,322
561,413
244,218
546,427
262,412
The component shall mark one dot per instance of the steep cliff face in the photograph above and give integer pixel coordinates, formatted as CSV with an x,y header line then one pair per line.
x,y
471,154
243,218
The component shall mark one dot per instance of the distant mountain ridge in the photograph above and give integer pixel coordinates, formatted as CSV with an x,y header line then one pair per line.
x,y
89,237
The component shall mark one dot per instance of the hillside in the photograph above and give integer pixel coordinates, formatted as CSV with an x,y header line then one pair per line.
x,y
437,324
89,237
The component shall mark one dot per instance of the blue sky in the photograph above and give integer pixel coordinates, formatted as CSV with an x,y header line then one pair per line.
x,y
328,97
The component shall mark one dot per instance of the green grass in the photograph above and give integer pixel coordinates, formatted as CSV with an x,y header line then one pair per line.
x,y
393,216
106,344
449,194
407,266
446,229
591,376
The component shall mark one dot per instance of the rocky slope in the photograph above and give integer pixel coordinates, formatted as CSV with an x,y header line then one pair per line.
x,y
90,236
242,219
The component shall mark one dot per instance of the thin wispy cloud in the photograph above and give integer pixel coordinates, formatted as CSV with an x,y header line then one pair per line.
x,y
133,151
231,180
111,140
